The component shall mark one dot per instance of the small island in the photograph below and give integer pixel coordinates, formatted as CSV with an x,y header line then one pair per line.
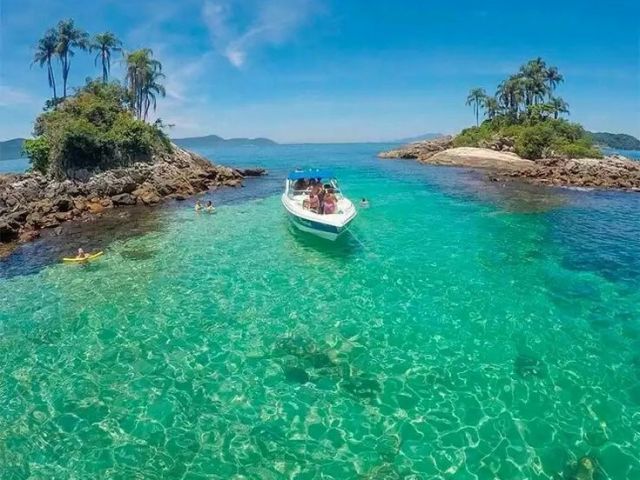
x,y
524,136
96,149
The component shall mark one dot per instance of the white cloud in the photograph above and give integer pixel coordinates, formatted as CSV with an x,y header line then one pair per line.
x,y
271,23
11,96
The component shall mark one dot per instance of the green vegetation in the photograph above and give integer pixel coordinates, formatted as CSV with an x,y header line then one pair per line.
x,y
525,116
93,129
103,124
620,141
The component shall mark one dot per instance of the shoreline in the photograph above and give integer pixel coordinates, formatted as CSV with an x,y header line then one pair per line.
x,y
613,172
31,203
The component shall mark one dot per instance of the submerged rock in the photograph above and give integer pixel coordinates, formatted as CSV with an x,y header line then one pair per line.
x,y
585,469
528,366
362,387
296,374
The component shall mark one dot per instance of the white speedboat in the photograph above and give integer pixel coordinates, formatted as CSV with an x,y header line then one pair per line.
x,y
299,205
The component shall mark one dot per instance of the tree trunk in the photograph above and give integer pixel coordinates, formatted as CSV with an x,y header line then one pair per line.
x,y
53,79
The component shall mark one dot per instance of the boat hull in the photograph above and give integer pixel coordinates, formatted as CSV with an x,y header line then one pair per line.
x,y
328,228
328,232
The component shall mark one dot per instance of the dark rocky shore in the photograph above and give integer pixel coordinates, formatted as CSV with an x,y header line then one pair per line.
x,y
615,172
30,202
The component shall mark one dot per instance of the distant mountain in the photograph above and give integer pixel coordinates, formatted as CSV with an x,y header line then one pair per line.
x,y
11,149
419,138
620,141
215,141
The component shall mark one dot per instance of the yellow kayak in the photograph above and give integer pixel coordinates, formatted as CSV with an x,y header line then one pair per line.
x,y
88,258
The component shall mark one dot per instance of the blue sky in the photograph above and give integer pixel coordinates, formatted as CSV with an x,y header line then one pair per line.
x,y
337,70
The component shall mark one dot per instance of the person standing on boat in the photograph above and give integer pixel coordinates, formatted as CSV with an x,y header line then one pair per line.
x,y
321,195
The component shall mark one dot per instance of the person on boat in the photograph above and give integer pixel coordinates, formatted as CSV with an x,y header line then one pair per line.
x,y
198,206
330,203
81,255
300,185
314,203
321,195
364,203
209,207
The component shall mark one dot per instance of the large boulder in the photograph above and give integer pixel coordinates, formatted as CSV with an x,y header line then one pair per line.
x,y
146,194
420,150
479,158
123,199
9,230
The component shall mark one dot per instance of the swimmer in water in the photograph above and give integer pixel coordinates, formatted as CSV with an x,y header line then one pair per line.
x,y
364,203
81,255
210,208
198,206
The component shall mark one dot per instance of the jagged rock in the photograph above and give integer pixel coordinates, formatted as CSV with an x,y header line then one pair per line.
x,y
63,204
420,150
146,194
123,199
251,172
18,216
9,230
28,235
613,171
49,221
94,207
234,182
31,201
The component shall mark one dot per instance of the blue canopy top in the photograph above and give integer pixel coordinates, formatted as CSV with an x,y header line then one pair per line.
x,y
310,173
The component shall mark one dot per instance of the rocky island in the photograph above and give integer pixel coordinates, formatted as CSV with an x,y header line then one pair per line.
x,y
33,201
95,150
613,171
524,136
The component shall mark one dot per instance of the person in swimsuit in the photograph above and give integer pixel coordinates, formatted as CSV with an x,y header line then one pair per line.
x,y
198,206
330,203
314,203
81,254
210,208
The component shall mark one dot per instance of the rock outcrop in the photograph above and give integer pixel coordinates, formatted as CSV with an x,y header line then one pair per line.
x,y
479,158
609,172
615,171
420,150
31,201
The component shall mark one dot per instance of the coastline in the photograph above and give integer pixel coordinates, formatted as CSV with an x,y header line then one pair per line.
x,y
31,202
610,172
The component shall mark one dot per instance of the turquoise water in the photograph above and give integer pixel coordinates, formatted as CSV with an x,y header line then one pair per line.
x,y
465,330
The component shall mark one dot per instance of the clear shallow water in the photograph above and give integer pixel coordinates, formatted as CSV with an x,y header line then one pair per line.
x,y
464,330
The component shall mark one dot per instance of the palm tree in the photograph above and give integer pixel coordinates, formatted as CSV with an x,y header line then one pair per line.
x,y
46,50
143,73
510,94
558,106
533,75
150,89
476,98
491,107
69,37
553,78
105,43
